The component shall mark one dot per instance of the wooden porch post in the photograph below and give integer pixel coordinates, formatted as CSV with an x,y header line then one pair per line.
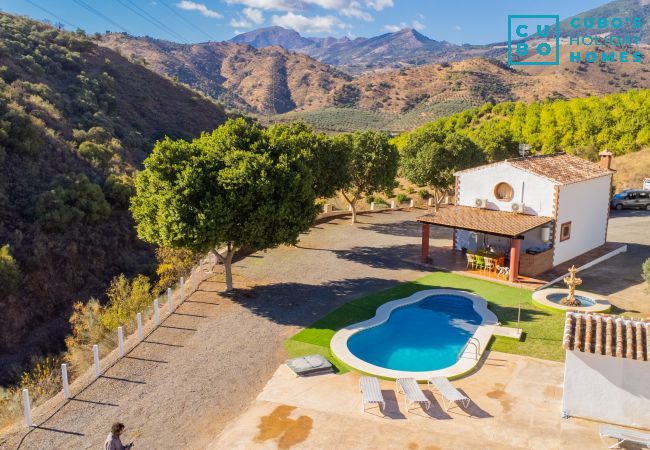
x,y
425,242
515,248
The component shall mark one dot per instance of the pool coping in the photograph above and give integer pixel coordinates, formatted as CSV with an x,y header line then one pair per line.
x,y
466,363
540,299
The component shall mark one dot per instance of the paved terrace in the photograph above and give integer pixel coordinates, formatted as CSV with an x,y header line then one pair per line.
x,y
516,405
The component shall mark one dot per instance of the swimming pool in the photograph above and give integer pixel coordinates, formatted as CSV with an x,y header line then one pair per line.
x,y
437,332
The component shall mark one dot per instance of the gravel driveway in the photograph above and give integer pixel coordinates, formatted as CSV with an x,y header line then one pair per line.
x,y
209,360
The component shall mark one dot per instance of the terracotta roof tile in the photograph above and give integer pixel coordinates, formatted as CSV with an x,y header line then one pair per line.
x,y
607,335
559,167
485,220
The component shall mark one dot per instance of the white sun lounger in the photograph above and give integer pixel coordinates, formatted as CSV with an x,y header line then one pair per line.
x,y
624,435
371,393
449,393
412,393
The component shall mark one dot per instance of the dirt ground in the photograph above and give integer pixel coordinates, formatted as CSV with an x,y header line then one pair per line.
x,y
210,359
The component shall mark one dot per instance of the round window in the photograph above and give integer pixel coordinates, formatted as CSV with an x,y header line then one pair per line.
x,y
504,192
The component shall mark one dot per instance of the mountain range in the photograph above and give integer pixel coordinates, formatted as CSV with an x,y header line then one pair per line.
x,y
403,48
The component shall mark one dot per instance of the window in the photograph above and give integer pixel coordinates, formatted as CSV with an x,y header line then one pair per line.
x,y
643,195
503,191
565,231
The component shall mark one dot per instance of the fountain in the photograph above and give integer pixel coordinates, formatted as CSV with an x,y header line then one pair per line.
x,y
572,281
570,299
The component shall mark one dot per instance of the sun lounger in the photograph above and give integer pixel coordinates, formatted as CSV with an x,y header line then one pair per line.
x,y
449,393
623,435
371,393
310,365
412,393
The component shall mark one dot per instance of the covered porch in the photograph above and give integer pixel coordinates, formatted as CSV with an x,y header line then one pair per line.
x,y
515,245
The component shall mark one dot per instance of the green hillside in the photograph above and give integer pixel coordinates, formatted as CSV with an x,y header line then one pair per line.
x,y
582,126
76,120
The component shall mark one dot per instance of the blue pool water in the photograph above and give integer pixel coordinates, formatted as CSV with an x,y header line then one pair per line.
x,y
423,336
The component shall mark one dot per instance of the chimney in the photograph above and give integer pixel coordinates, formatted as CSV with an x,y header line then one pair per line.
x,y
606,159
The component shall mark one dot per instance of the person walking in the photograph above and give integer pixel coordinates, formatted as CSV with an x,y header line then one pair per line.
x,y
113,441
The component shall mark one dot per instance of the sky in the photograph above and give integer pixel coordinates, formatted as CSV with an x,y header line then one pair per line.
x,y
464,21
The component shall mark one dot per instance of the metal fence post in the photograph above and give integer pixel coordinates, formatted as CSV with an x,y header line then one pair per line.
x,y
64,376
139,320
156,316
372,206
27,408
96,357
392,204
120,340
412,204
170,304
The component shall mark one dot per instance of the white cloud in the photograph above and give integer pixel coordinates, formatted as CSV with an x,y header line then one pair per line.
x,y
204,10
254,15
458,28
418,25
277,5
240,23
316,24
378,5
351,8
395,28
354,10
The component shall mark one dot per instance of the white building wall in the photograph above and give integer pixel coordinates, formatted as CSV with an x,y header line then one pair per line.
x,y
607,389
537,193
585,205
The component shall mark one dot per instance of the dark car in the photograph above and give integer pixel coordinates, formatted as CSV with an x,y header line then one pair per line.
x,y
631,198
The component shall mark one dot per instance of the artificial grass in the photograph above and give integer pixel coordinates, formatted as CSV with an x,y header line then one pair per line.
x,y
542,329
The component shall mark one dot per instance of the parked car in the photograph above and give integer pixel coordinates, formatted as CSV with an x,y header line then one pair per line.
x,y
631,198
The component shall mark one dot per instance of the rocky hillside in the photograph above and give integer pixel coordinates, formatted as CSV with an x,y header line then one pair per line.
x,y
76,120
268,80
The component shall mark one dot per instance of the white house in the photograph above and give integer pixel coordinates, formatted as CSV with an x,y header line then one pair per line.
x,y
606,371
540,211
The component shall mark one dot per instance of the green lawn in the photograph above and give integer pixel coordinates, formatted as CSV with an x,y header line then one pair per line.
x,y
542,329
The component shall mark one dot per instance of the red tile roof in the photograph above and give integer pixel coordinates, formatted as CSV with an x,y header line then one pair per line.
x,y
607,335
488,221
559,168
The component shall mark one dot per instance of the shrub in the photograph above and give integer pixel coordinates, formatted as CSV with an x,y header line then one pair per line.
x,y
410,190
646,271
97,155
389,193
424,194
401,198
125,300
172,264
72,199
119,189
347,96
9,272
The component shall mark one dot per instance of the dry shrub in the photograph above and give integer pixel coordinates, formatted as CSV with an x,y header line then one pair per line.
x,y
172,264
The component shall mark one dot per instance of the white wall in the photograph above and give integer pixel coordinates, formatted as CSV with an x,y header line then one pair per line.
x,y
606,388
537,193
585,205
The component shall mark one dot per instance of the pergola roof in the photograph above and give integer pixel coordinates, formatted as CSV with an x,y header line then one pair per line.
x,y
500,223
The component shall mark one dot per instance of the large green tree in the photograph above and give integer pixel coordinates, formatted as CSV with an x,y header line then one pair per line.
x,y
328,157
236,187
431,158
371,166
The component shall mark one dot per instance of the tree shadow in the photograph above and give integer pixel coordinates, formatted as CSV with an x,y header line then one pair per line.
x,y
409,228
303,304
395,257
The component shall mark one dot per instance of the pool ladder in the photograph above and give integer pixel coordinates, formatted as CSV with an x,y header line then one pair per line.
x,y
477,346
